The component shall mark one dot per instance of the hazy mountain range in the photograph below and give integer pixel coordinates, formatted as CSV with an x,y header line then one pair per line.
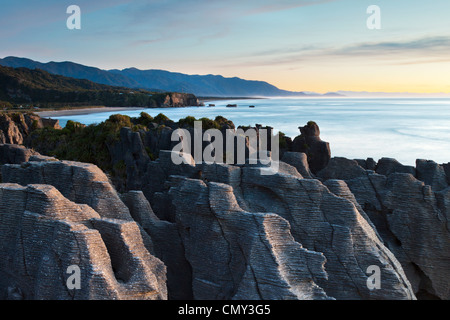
x,y
200,85
160,80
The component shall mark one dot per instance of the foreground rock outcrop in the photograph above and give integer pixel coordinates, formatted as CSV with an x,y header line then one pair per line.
x,y
314,229
410,209
254,256
314,218
43,235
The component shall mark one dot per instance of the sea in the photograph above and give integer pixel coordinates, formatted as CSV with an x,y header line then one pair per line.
x,y
402,128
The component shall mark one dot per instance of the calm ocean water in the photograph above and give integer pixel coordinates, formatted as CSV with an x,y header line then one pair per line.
x,y
405,129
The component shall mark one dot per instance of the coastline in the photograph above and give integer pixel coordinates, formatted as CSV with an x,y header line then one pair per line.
x,y
84,111
207,99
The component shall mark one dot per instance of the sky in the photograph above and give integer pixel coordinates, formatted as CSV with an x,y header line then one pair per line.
x,y
298,45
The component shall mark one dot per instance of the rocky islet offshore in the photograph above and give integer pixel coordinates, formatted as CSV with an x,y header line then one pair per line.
x,y
218,231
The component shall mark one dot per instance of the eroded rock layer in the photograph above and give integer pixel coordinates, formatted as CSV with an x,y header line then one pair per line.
x,y
216,231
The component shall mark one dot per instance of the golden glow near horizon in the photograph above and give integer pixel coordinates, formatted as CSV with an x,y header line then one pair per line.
x,y
418,78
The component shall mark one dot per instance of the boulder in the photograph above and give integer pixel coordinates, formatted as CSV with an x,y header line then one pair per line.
x,y
80,182
386,166
342,169
298,160
15,154
309,142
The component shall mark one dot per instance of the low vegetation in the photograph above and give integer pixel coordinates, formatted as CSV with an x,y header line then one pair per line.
x,y
91,144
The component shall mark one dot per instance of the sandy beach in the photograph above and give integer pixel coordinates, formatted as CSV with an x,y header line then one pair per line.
x,y
72,112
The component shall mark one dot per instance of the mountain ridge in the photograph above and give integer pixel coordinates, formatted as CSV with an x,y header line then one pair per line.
x,y
37,87
159,80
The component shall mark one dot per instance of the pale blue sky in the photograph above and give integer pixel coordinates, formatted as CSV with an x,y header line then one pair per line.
x,y
294,44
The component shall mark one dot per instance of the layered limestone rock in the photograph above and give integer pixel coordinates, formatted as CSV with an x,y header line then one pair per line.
x,y
80,182
167,245
14,128
130,151
44,237
333,225
316,219
9,132
298,160
412,216
225,232
254,256
15,154
177,100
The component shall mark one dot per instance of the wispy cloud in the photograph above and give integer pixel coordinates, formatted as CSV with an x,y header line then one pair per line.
x,y
416,51
273,6
205,20
425,46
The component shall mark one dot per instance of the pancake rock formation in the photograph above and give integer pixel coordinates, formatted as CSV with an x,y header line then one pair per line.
x,y
318,228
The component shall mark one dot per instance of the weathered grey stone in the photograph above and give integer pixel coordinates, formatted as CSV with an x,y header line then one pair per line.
x,y
340,188
42,234
9,131
15,128
129,152
413,222
446,167
386,166
254,255
298,160
15,154
260,224
420,223
79,182
318,224
167,245
309,142
432,174
158,172
368,164
50,123
326,223
342,169
82,183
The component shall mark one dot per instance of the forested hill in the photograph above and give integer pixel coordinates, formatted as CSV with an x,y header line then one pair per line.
x,y
161,80
40,88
